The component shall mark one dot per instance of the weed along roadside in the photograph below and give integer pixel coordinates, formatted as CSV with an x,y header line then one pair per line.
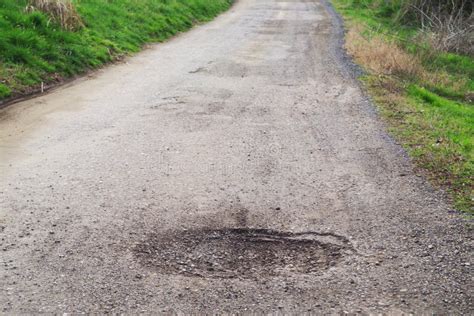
x,y
422,83
44,42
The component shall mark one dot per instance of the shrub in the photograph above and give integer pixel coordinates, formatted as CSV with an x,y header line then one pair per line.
x,y
449,25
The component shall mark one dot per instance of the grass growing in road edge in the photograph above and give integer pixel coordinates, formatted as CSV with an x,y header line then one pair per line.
x,y
426,96
35,48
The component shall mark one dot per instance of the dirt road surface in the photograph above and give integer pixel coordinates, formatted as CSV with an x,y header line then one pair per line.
x,y
235,168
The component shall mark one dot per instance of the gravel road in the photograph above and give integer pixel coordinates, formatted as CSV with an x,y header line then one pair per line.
x,y
236,168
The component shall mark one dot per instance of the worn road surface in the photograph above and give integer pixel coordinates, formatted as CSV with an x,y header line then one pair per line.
x,y
235,168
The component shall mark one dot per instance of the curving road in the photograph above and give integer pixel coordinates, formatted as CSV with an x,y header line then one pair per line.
x,y
235,168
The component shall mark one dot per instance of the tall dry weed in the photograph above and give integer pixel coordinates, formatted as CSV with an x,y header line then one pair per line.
x,y
62,11
381,56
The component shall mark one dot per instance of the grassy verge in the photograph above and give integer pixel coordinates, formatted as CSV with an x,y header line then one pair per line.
x,y
425,96
35,49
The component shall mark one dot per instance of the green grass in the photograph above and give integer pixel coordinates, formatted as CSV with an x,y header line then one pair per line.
x,y
431,114
34,49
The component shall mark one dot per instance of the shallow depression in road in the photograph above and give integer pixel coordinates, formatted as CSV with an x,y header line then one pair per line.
x,y
241,253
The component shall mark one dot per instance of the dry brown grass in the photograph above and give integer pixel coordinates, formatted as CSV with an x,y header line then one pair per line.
x,y
442,78
381,56
384,58
62,11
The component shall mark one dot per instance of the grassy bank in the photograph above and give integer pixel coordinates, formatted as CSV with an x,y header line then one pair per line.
x,y
35,48
424,94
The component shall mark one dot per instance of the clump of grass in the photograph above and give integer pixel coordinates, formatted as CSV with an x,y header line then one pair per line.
x,y
4,91
62,11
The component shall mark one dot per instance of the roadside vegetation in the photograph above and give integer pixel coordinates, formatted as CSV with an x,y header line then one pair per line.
x,y
418,57
43,42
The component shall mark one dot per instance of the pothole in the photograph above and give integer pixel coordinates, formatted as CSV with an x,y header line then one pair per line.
x,y
245,253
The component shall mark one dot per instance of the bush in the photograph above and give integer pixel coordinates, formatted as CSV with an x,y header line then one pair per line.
x,y
448,25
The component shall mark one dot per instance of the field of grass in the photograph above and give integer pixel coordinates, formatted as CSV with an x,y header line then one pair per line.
x,y
426,96
34,48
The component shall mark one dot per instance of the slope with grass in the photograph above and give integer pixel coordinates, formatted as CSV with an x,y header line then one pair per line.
x,y
425,95
36,49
